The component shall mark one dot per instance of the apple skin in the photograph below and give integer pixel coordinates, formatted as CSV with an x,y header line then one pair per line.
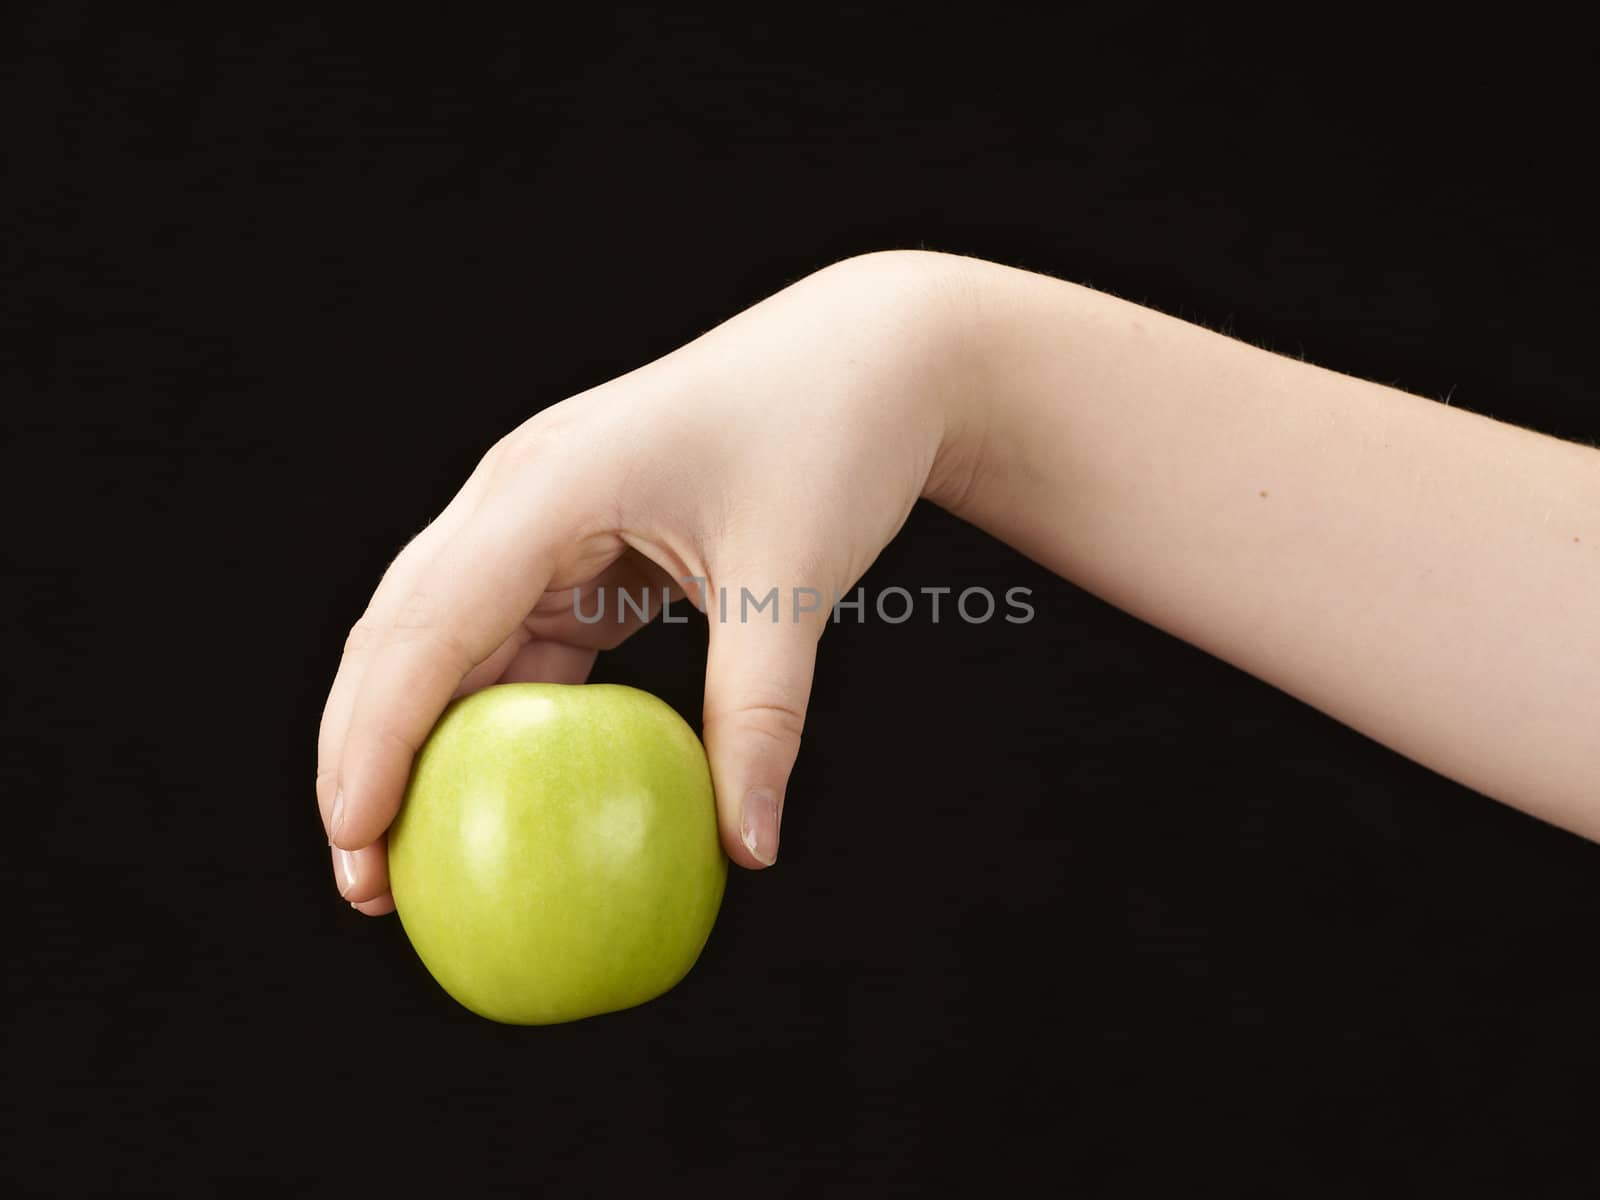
x,y
556,856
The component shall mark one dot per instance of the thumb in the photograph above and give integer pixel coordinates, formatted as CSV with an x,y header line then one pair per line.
x,y
758,679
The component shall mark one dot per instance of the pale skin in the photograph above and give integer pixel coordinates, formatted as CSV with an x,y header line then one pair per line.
x,y
1426,575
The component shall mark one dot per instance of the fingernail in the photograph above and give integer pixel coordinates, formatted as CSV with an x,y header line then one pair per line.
x,y
758,826
344,870
336,818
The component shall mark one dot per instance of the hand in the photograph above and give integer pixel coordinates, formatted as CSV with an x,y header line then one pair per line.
x,y
783,449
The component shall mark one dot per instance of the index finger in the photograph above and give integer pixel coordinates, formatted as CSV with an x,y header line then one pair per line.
x,y
460,609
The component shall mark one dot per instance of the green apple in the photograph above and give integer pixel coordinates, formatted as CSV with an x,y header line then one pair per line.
x,y
557,856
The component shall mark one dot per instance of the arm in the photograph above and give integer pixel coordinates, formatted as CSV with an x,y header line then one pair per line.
x,y
1426,575
1423,574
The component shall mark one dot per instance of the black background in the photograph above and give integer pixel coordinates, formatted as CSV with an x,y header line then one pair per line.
x,y
1069,902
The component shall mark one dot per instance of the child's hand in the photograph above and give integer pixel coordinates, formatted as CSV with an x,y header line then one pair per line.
x,y
781,450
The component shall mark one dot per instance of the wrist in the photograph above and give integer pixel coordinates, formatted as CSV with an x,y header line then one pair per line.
x,y
931,301
953,390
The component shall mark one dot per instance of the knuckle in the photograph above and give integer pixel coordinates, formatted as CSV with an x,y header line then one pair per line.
x,y
515,454
489,464
363,636
421,618
413,554
492,455
418,611
440,640
781,721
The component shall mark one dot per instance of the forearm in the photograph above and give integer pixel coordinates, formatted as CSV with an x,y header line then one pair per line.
x,y
1429,576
